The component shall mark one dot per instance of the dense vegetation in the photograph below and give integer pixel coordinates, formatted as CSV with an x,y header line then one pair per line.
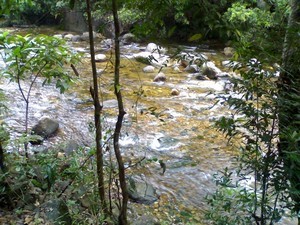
x,y
265,35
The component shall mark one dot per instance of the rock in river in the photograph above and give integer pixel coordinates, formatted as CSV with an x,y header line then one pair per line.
x,y
140,191
149,69
160,77
45,128
210,70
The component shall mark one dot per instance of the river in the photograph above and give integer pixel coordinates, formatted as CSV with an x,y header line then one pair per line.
x,y
178,129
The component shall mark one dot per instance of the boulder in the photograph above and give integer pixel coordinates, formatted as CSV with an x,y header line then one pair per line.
x,y
56,212
100,58
192,68
210,70
229,51
175,92
45,128
128,38
160,77
70,146
68,37
85,36
76,38
141,191
148,69
154,48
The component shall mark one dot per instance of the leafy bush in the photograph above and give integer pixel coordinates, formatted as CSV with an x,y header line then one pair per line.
x,y
265,199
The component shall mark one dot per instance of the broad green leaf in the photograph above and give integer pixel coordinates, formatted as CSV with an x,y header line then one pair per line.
x,y
195,37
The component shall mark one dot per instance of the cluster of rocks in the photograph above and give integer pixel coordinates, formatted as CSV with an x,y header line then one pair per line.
x,y
197,65
78,37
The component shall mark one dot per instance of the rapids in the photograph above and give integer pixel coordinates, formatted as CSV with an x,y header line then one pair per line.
x,y
176,129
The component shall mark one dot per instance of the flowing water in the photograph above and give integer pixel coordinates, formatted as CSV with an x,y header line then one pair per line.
x,y
176,129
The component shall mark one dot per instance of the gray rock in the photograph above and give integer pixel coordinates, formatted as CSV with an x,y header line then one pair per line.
x,y
192,68
140,191
70,146
45,128
210,70
76,38
128,38
68,37
56,211
160,77
148,69
229,51
85,36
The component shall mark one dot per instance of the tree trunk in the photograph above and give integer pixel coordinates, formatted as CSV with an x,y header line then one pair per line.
x,y
97,115
2,158
289,104
123,210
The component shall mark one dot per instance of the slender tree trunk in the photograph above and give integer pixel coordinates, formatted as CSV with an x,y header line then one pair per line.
x,y
123,211
289,98
2,157
97,115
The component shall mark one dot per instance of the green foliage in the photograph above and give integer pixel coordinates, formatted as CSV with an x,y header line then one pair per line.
x,y
254,120
231,204
39,56
49,175
257,31
29,11
13,6
28,58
